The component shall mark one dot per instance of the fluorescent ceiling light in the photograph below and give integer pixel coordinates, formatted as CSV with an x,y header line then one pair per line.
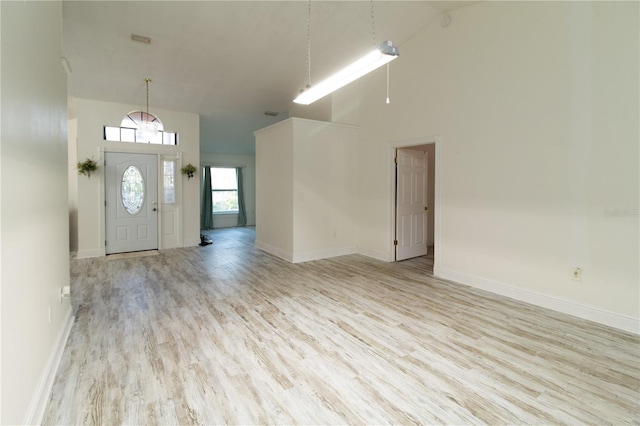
x,y
386,52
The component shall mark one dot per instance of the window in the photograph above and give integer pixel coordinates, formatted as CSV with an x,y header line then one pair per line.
x,y
169,181
224,190
132,190
130,130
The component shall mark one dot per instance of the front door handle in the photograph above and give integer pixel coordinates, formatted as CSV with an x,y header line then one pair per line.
x,y
154,209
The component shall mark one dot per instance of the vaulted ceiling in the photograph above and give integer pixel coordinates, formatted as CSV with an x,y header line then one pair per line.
x,y
229,61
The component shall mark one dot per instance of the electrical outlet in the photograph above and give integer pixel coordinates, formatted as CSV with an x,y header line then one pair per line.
x,y
577,274
65,293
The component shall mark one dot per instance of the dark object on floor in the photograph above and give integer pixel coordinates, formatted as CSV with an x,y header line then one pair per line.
x,y
204,240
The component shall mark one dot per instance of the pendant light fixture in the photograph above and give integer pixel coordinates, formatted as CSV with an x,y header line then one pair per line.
x,y
147,130
383,54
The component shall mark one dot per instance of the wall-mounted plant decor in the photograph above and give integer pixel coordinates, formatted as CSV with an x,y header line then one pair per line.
x,y
87,167
189,170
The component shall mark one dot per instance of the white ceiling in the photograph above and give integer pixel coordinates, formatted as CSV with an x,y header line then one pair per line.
x,y
229,61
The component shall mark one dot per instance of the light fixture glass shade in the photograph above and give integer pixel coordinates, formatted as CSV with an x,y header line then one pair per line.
x,y
147,131
386,52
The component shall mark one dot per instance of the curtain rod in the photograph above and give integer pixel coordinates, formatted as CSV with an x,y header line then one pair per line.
x,y
227,166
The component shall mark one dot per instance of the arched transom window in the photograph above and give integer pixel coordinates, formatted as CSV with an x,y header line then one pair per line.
x,y
136,119
140,127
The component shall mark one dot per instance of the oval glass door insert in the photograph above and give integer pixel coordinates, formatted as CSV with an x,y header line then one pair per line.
x,y
132,190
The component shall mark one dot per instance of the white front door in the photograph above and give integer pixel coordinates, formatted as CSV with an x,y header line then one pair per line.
x,y
411,204
131,208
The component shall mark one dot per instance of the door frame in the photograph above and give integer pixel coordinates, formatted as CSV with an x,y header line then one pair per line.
x,y
436,140
161,155
417,210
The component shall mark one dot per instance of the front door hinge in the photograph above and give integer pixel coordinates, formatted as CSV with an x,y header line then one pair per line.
x,y
395,242
105,243
395,160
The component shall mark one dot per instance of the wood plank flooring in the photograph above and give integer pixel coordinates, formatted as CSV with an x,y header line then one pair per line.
x,y
227,334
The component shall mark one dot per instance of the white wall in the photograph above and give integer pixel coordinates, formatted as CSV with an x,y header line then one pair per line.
x,y
536,104
248,164
319,110
92,116
307,181
34,232
325,181
274,189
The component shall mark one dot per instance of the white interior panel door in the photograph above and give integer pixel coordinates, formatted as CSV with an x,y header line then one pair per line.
x,y
131,209
411,204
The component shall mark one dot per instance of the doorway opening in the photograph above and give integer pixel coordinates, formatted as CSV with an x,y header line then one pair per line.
x,y
414,227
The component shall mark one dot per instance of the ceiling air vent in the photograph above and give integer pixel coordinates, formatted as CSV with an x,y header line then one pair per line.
x,y
141,39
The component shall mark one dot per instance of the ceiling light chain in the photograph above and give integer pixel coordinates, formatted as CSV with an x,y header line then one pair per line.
x,y
147,130
147,80
388,82
308,46
373,34
373,25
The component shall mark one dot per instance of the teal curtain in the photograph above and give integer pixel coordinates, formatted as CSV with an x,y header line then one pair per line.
x,y
242,215
206,210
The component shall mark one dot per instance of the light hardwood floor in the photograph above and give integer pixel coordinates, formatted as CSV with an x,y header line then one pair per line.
x,y
227,334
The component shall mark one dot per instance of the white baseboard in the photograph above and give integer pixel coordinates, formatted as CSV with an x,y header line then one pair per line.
x,y
86,254
322,254
305,256
274,251
569,307
380,255
40,398
191,243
